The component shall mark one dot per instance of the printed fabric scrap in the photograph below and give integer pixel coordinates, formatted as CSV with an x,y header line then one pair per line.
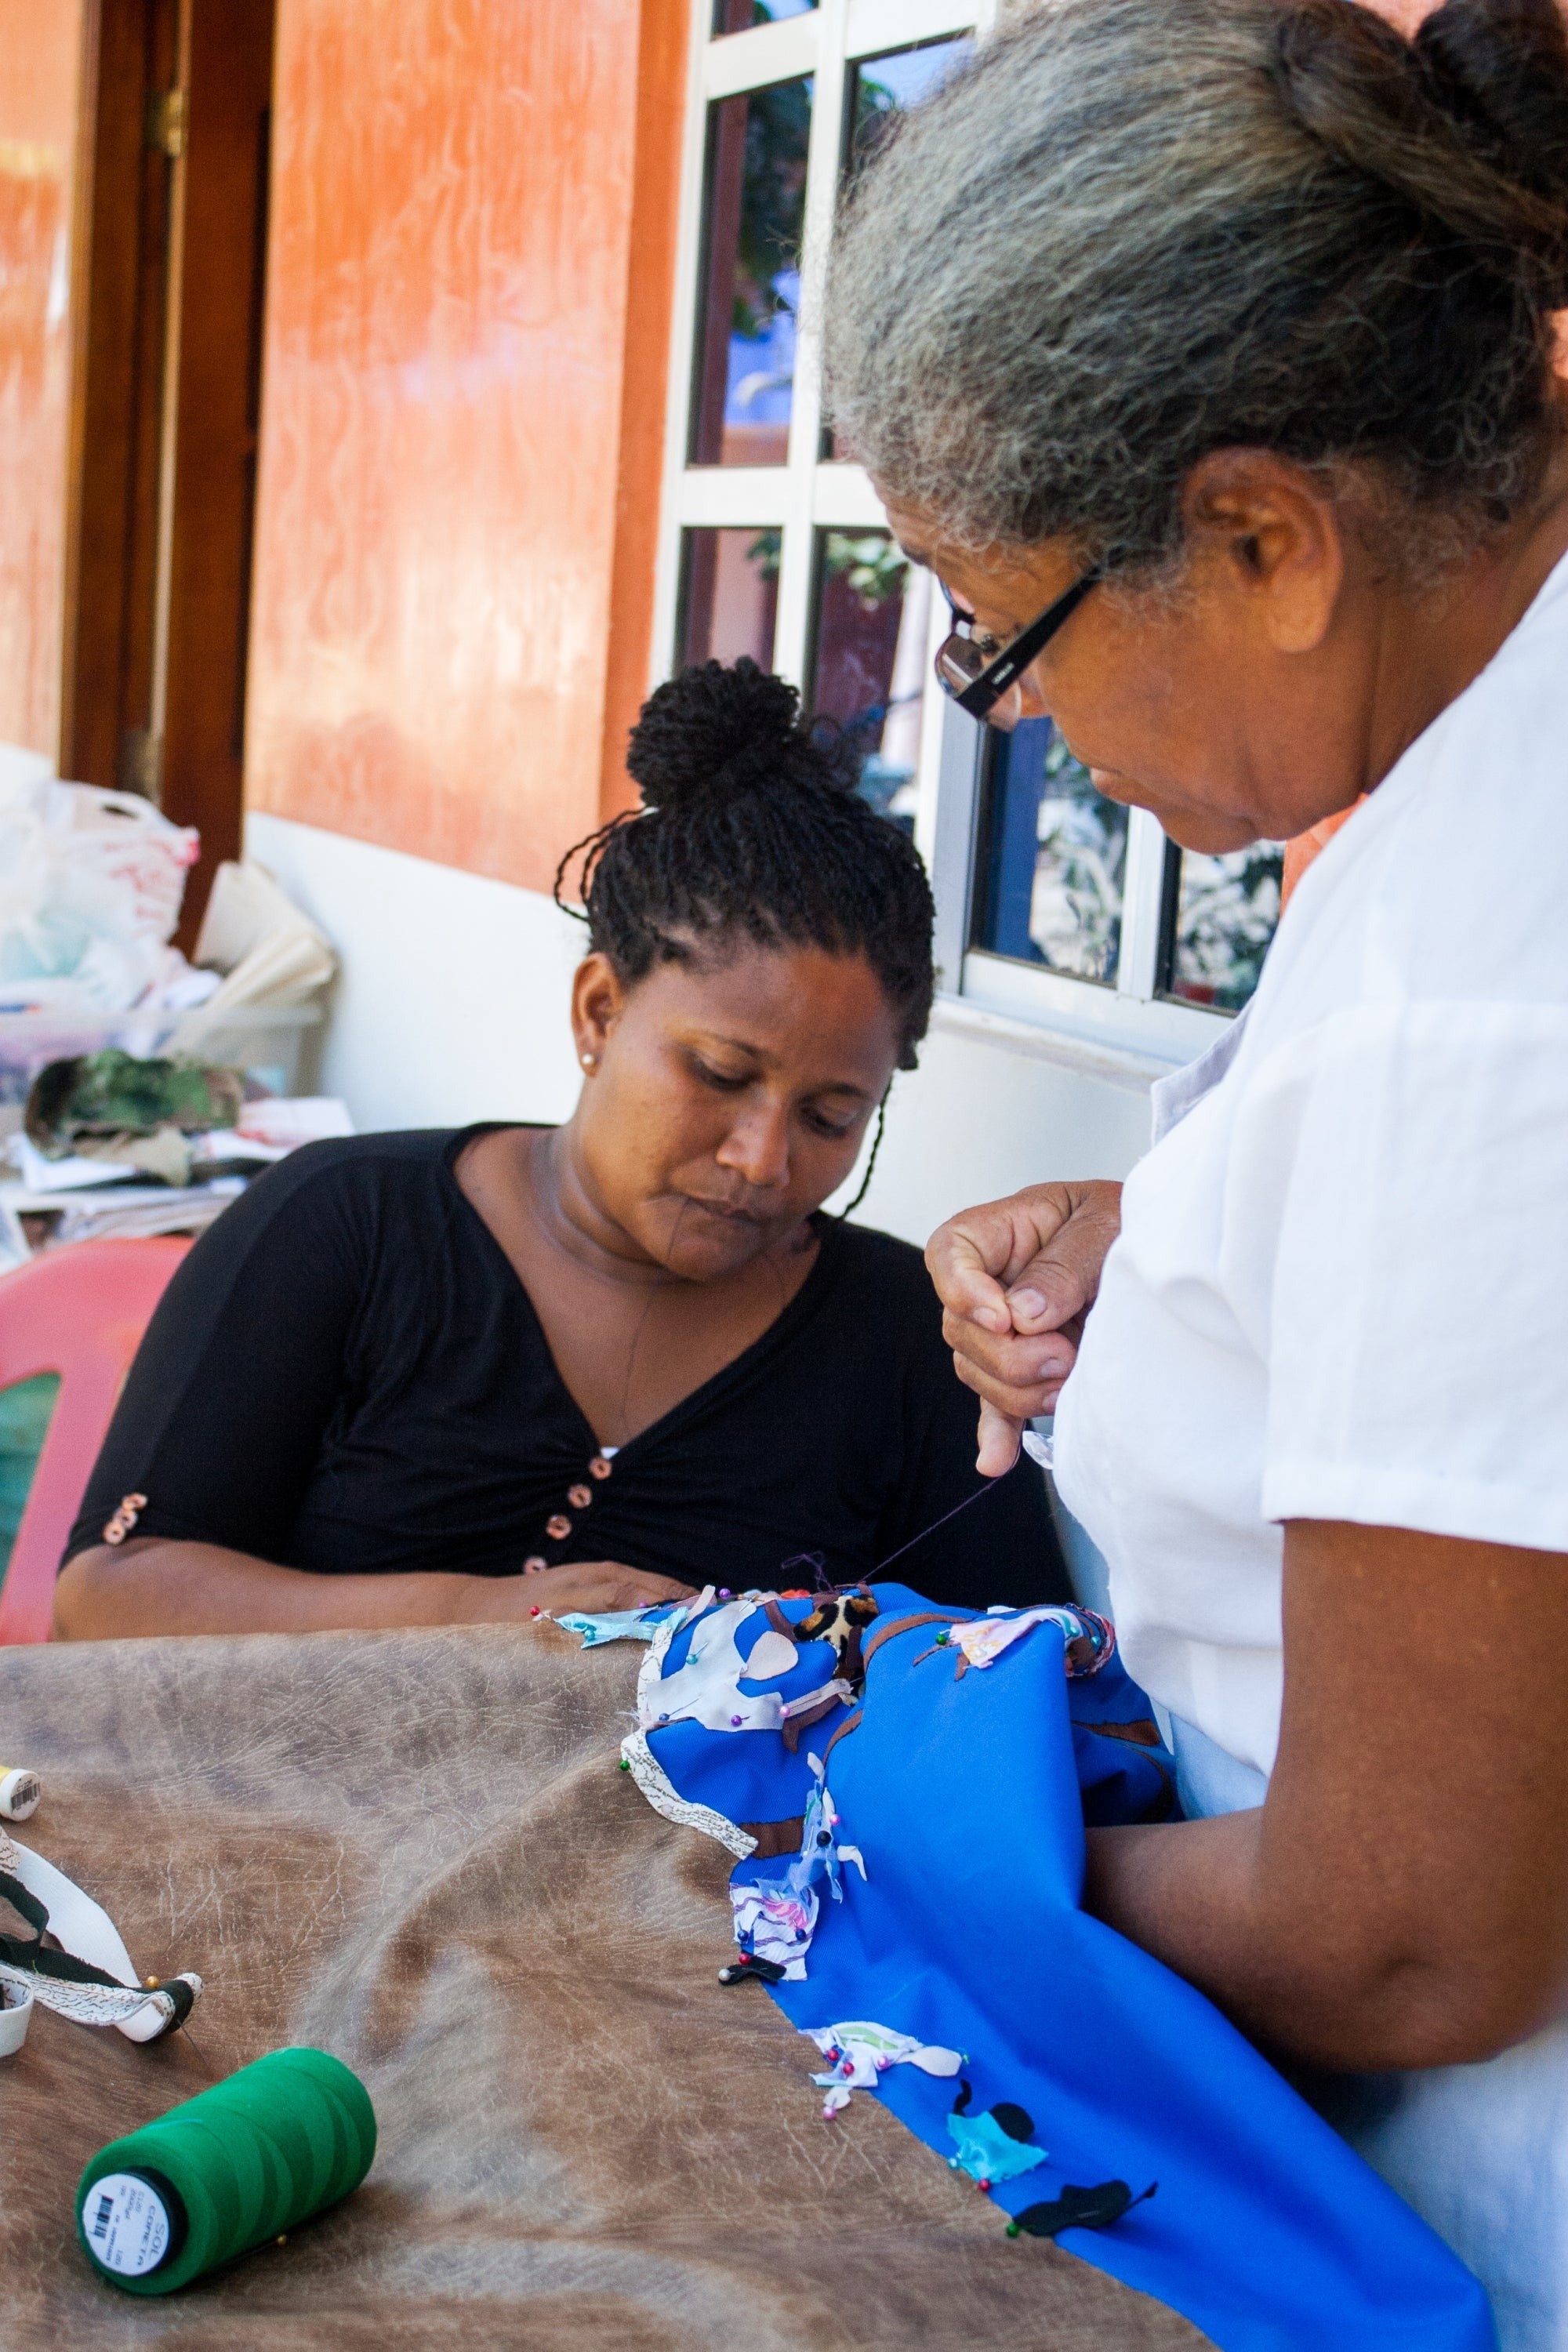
x,y
859,2052
987,1637
614,1624
776,1917
1091,2074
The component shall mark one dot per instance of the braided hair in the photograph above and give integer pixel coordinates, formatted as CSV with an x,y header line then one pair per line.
x,y
751,829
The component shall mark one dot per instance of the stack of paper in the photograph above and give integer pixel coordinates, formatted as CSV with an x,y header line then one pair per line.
x,y
123,1215
114,1211
269,952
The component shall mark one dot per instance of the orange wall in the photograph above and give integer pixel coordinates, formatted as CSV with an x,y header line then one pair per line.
x,y
40,47
458,242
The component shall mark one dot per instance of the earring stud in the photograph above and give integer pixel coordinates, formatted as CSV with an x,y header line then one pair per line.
x,y
589,1061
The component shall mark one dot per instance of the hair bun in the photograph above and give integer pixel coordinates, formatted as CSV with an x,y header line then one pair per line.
x,y
1467,122
717,728
1499,69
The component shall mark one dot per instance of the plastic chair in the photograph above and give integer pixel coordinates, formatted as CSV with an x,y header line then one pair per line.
x,y
78,1311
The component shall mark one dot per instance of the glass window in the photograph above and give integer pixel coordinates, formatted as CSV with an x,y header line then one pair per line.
x,y
876,91
870,631
740,15
1220,916
729,595
1053,858
744,387
880,89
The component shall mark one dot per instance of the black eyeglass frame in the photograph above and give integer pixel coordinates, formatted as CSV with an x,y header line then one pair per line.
x,y
982,695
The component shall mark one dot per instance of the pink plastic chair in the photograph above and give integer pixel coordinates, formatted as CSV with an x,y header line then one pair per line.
x,y
78,1311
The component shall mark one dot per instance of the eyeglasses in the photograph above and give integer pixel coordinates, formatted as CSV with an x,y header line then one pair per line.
x,y
981,675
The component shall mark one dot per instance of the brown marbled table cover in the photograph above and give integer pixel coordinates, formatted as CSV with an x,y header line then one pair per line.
x,y
414,1850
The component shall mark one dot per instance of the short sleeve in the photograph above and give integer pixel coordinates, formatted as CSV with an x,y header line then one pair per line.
x,y
1397,1237
221,1421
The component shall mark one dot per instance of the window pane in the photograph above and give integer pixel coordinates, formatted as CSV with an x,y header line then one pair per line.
x,y
870,631
729,595
881,89
877,91
1220,914
751,277
1055,858
740,15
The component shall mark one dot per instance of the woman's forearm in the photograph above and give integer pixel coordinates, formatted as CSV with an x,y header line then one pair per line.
x,y
1322,1979
1399,1899
154,1586
1188,1893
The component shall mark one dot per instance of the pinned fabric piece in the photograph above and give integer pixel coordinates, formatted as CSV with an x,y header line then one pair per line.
x,y
639,1758
748,1969
775,1918
860,2053
1090,1638
1080,2209
613,1624
798,1714
775,1924
772,1656
91,1980
841,1619
819,1846
707,1688
995,2145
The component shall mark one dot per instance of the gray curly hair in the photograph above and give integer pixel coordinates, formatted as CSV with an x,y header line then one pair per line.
x,y
1130,232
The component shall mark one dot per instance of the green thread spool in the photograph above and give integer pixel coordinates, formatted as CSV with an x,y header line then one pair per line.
x,y
230,2168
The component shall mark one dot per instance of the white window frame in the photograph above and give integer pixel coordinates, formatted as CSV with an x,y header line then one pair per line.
x,y
807,494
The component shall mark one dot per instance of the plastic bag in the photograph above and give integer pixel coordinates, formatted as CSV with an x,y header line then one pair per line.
x,y
91,884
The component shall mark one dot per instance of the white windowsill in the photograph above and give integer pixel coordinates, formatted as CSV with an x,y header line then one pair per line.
x,y
1114,1065
1153,1030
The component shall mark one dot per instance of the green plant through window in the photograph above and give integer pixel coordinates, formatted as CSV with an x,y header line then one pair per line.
x,y
765,552
1226,913
773,199
1080,872
873,567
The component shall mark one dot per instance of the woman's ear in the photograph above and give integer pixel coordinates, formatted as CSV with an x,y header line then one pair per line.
x,y
597,997
1264,532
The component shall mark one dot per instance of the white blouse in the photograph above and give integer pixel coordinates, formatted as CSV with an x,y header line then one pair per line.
x,y
1340,1292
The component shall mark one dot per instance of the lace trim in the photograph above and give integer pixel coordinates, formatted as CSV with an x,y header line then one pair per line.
x,y
86,2005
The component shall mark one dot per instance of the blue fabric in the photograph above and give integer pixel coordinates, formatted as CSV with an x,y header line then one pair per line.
x,y
1209,1780
612,1625
967,1798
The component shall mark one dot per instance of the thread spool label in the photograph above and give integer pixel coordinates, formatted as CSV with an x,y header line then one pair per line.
x,y
126,2225
19,1793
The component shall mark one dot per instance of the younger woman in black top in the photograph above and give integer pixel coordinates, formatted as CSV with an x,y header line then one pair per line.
x,y
434,1378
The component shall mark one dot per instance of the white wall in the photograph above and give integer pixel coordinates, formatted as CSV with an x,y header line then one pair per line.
x,y
987,1112
452,1005
451,1001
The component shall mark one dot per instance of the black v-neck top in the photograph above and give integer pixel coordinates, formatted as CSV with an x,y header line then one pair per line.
x,y
346,1373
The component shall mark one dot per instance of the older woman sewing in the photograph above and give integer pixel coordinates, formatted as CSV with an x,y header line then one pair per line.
x,y
1206,354
433,1378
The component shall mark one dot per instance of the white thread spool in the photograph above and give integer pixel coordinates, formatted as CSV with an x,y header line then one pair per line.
x,y
20,1794
16,2016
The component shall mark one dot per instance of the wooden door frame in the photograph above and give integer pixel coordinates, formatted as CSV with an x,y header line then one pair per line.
x,y
172,194
119,237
